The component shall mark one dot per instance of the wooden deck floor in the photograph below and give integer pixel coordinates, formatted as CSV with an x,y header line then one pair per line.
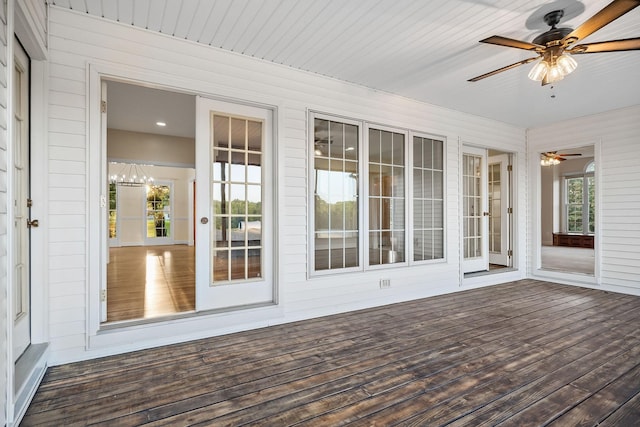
x,y
522,354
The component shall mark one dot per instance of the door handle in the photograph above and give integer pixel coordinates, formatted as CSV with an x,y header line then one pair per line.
x,y
33,223
485,213
204,220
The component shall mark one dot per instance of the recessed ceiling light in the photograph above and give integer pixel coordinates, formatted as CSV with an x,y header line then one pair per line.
x,y
161,124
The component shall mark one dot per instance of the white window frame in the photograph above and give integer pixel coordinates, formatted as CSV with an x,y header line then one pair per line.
x,y
365,163
312,219
411,227
363,195
585,200
161,240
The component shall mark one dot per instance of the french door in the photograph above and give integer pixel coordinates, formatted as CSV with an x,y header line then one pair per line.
x,y
21,304
499,204
234,210
475,214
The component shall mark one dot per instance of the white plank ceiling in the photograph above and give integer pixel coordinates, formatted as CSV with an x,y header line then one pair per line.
x,y
425,50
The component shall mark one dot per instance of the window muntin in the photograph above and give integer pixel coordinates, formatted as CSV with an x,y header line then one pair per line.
x,y
428,201
348,228
158,211
579,198
472,205
237,199
336,210
386,197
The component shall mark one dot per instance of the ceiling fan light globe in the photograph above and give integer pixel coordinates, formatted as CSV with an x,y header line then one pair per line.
x,y
538,71
566,64
554,74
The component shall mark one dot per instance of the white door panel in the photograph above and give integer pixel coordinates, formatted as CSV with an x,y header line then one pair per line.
x,y
474,210
498,182
234,209
21,305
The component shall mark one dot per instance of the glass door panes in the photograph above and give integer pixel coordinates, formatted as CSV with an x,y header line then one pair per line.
x,y
158,222
495,208
428,220
472,205
336,238
237,198
386,197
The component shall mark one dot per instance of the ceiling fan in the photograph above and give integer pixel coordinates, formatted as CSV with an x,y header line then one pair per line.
x,y
554,44
550,158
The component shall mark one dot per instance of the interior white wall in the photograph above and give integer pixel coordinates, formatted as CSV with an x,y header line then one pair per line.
x,y
149,148
78,40
615,135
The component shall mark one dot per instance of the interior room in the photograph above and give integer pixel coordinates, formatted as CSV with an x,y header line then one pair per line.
x,y
568,188
151,177
234,212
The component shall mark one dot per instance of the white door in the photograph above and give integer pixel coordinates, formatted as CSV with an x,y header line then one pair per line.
x,y
21,307
475,213
499,203
234,205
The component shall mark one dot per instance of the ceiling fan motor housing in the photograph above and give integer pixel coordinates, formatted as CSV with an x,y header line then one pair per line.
x,y
554,34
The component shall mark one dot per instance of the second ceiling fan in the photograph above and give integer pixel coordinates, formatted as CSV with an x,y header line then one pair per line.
x,y
556,45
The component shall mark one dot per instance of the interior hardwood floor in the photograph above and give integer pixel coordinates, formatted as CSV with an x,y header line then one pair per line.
x,y
526,353
150,281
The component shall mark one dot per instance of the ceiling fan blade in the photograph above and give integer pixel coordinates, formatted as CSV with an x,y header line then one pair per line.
x,y
507,42
608,46
611,12
569,154
499,70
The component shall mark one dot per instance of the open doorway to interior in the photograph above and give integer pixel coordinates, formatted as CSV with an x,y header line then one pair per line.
x,y
150,149
567,208
487,211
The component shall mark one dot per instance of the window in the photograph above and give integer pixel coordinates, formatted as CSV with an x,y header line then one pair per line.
x,y
355,233
580,201
158,211
428,221
113,210
336,210
386,197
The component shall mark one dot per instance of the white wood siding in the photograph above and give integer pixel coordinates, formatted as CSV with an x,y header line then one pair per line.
x,y
617,174
77,40
4,220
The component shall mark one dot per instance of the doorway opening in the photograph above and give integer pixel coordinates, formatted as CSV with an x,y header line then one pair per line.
x,y
567,210
487,211
150,150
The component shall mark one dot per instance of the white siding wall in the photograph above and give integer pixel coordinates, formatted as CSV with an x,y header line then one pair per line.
x,y
617,173
4,220
76,40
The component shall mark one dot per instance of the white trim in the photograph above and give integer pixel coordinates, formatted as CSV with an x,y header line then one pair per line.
x,y
164,330
410,163
534,201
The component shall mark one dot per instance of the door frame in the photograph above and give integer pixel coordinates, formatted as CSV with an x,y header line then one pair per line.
x,y
103,339
23,377
535,201
480,263
503,258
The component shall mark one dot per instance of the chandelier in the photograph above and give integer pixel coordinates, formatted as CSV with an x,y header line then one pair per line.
x,y
130,175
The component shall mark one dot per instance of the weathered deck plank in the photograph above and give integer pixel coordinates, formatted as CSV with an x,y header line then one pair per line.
x,y
524,353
